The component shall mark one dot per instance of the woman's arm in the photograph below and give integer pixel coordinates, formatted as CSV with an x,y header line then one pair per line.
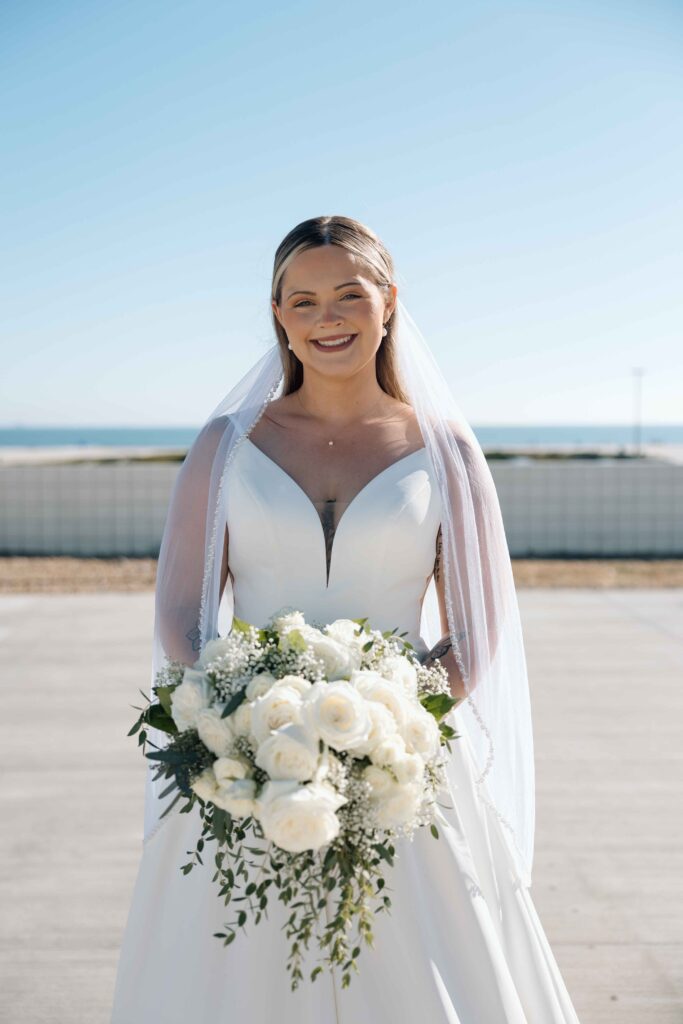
x,y
477,597
180,570
443,649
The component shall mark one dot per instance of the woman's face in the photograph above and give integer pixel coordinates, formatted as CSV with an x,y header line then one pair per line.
x,y
326,295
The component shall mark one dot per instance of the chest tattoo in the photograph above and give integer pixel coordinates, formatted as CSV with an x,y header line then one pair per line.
x,y
437,562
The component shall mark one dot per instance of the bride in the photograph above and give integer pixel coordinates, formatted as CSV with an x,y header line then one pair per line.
x,y
357,490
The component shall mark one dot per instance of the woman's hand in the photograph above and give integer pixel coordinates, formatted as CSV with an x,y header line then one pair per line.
x,y
443,652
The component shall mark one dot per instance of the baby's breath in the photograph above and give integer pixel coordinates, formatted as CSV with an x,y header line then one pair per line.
x,y
433,679
352,863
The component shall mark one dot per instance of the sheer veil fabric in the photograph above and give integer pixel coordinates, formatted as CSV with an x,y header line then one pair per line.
x,y
481,602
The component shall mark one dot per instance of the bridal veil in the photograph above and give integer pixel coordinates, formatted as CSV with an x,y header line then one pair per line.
x,y
481,602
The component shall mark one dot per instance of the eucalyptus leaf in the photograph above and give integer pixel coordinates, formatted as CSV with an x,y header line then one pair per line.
x,y
234,702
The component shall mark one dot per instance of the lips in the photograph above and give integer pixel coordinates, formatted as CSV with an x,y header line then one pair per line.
x,y
335,344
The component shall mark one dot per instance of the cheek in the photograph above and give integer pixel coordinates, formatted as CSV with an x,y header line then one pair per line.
x,y
298,322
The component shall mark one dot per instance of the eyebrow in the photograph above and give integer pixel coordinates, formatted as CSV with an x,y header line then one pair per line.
x,y
300,291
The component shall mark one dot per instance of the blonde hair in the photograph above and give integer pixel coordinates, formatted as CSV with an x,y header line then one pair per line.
x,y
363,243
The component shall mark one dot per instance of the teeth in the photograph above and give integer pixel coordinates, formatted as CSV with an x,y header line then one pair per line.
x,y
337,341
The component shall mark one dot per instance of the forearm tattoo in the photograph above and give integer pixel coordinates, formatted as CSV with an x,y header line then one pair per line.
x,y
194,637
440,648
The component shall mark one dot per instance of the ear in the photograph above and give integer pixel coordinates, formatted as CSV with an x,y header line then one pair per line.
x,y
276,311
390,304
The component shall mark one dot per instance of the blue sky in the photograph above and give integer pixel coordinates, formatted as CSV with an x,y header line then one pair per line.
x,y
522,161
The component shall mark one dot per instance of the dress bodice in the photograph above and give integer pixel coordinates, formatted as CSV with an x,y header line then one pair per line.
x,y
382,554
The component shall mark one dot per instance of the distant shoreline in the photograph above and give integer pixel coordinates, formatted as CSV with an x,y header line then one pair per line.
x,y
489,435
30,455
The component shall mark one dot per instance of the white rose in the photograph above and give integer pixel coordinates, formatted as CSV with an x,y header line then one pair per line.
x,y
344,630
383,724
400,670
226,769
288,620
349,633
388,751
409,769
338,659
260,684
296,682
189,698
205,784
279,706
380,781
214,649
289,753
240,719
215,732
299,817
398,804
421,733
338,714
374,687
238,797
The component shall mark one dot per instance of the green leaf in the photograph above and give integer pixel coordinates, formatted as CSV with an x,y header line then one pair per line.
x,y
170,756
434,830
220,818
239,625
164,697
234,702
384,853
438,704
158,718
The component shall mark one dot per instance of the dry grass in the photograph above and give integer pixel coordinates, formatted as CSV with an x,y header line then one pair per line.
x,y
598,572
64,574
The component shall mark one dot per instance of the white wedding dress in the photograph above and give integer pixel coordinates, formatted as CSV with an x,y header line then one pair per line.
x,y
462,942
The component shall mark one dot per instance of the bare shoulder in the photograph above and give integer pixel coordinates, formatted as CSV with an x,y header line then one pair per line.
x,y
281,414
407,415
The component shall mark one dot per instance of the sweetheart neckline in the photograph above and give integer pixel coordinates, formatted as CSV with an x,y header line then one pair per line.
x,y
354,500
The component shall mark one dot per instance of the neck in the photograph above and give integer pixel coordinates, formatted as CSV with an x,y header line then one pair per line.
x,y
338,402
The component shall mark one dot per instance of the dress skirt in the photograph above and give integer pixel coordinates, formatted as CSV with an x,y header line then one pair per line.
x,y
461,943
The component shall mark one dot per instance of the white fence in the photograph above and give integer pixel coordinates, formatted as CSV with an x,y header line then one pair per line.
x,y
550,508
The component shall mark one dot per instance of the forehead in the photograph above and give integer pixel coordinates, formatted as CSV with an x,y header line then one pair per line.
x,y
322,266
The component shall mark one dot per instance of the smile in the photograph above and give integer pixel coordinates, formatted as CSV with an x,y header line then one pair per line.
x,y
333,344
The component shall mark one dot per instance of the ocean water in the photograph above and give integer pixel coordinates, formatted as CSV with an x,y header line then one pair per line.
x,y
487,435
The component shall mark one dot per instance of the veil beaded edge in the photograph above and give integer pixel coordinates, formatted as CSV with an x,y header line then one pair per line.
x,y
479,593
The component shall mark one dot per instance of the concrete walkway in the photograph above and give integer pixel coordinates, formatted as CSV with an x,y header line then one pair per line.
x,y
606,669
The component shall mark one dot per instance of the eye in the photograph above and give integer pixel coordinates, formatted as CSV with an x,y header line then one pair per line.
x,y
348,295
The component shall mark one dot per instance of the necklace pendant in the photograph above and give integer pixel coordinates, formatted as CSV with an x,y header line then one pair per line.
x,y
330,442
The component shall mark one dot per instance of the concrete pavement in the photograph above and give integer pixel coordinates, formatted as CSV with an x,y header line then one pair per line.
x,y
606,669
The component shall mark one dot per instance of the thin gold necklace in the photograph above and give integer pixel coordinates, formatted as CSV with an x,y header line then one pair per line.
x,y
305,410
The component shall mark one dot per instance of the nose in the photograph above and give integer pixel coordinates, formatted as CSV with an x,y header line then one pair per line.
x,y
329,314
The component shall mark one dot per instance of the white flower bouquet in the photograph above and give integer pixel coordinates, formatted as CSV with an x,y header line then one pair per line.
x,y
325,742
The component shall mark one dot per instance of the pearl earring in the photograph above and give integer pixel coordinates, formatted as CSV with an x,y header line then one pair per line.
x,y
384,330
288,345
